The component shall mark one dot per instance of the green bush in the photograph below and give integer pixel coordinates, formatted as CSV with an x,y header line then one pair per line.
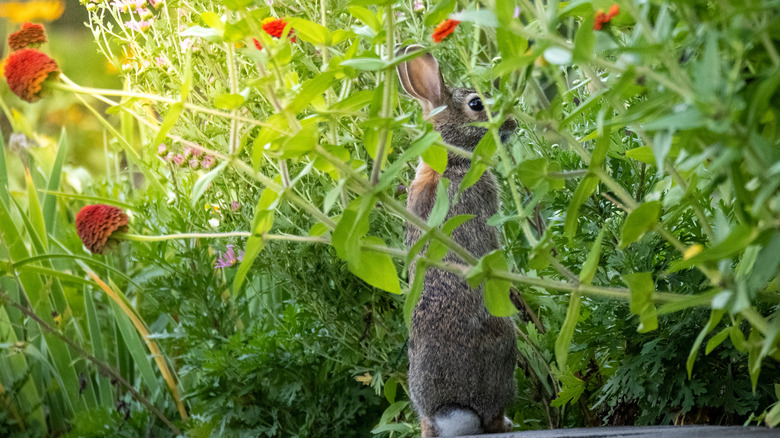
x,y
640,217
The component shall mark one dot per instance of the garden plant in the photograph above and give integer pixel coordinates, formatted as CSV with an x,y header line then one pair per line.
x,y
214,244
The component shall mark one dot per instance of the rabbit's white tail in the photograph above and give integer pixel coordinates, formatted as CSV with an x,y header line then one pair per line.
x,y
457,422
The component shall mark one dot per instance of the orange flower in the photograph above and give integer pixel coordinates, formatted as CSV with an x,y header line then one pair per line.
x,y
26,70
275,27
96,223
258,46
443,30
30,35
602,18
19,12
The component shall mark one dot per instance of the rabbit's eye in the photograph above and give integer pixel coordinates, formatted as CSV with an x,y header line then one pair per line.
x,y
476,104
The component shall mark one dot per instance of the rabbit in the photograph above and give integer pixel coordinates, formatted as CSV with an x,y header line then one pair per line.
x,y
461,358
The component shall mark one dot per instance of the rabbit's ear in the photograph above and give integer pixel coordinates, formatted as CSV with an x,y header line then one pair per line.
x,y
421,78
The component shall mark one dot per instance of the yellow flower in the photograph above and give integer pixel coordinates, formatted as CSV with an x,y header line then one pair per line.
x,y
692,251
36,10
364,379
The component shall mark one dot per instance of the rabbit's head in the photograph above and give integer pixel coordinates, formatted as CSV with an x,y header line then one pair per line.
x,y
421,77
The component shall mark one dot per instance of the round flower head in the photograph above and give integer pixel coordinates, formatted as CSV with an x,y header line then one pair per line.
x,y
207,162
96,223
31,35
275,27
26,70
444,29
194,164
179,160
162,150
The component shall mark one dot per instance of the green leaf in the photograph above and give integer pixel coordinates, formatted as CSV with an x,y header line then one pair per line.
x,y
376,269
4,195
436,157
716,340
318,229
439,12
365,64
715,317
310,90
643,154
136,348
643,219
228,101
442,204
571,391
105,390
50,201
353,103
482,153
34,211
583,192
592,262
262,223
689,118
200,186
311,32
641,286
212,20
496,290
415,291
584,41
170,119
366,16
563,342
390,389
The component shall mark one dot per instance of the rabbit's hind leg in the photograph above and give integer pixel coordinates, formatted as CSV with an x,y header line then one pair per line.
x,y
498,425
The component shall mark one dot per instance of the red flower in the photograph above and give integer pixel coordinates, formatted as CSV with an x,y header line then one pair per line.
x,y
257,44
602,18
443,30
26,70
275,27
30,35
96,223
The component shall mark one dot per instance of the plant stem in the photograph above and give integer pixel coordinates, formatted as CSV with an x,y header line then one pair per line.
x,y
387,97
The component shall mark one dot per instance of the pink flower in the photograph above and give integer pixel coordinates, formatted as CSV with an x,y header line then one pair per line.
x,y
162,149
186,44
179,160
138,26
207,162
195,151
419,6
229,258
194,164
235,205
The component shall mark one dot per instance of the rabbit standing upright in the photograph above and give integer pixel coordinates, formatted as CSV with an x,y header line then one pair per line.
x,y
461,358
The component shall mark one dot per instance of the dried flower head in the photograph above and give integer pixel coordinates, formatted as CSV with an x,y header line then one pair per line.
x,y
95,224
26,70
602,18
31,35
229,258
275,27
444,29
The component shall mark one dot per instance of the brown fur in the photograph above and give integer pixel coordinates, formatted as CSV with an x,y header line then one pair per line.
x,y
460,356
